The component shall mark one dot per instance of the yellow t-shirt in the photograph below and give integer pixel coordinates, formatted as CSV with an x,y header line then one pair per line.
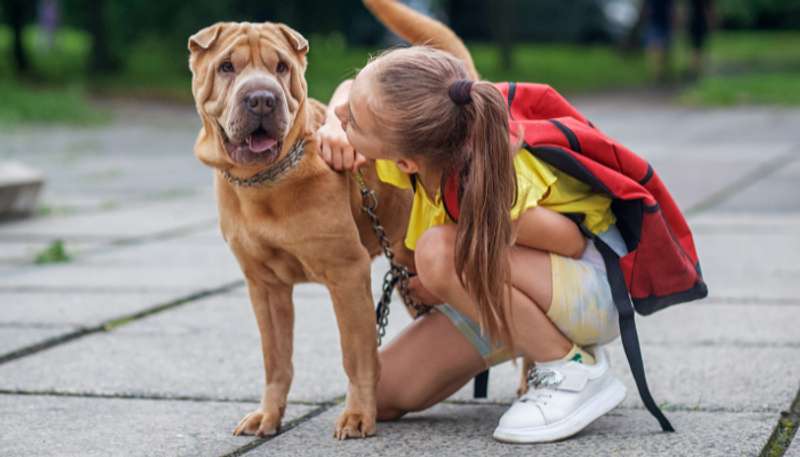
x,y
538,184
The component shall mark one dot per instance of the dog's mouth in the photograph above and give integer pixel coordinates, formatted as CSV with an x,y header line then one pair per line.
x,y
259,141
258,147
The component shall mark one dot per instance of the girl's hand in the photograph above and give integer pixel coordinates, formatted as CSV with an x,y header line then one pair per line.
x,y
419,294
336,150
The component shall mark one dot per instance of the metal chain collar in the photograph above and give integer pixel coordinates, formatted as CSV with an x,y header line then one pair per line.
x,y
397,274
273,172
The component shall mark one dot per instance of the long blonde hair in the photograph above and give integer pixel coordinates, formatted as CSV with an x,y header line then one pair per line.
x,y
417,118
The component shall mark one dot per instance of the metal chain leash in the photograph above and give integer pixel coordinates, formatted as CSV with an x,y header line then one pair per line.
x,y
397,274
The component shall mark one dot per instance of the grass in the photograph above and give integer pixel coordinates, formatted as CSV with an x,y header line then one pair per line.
x,y
772,89
749,68
745,67
54,253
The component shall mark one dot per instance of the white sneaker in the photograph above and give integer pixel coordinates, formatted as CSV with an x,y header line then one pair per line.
x,y
564,397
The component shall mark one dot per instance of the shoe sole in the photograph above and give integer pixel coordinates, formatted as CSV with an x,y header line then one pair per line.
x,y
608,399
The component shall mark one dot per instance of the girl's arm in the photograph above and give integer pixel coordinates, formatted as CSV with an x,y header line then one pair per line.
x,y
333,145
546,230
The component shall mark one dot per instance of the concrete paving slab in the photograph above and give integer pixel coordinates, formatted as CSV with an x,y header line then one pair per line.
x,y
689,183
775,193
124,223
207,349
15,338
466,430
753,266
745,223
703,324
712,378
62,426
77,309
794,448
82,278
167,253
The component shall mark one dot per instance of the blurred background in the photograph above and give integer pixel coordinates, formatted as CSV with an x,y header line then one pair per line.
x,y
58,55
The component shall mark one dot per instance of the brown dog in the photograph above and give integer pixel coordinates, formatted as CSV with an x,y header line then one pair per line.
x,y
304,222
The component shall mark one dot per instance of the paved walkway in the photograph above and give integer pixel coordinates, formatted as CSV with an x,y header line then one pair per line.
x,y
145,344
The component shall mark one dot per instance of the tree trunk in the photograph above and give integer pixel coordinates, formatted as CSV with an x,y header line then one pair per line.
x,y
101,58
15,14
505,32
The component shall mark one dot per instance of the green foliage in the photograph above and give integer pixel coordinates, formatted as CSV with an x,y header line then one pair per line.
x,y
26,104
54,253
566,67
760,14
776,89
750,68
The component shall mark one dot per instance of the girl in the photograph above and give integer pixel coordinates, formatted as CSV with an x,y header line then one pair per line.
x,y
512,275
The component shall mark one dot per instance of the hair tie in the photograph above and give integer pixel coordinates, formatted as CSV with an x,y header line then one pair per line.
x,y
459,91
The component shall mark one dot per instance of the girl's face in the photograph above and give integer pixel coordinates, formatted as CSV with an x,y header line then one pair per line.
x,y
362,132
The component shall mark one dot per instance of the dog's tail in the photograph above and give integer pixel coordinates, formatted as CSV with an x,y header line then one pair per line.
x,y
416,28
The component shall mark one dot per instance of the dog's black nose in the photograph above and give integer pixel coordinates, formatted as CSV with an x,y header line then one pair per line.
x,y
261,102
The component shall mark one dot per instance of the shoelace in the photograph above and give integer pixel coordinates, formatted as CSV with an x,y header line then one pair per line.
x,y
541,383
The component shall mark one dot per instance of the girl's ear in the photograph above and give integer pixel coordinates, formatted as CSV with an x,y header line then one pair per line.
x,y
409,166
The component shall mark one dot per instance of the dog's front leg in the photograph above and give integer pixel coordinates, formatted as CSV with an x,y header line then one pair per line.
x,y
349,286
272,304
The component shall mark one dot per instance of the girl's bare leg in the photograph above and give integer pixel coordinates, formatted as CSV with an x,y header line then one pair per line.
x,y
429,361
432,359
536,336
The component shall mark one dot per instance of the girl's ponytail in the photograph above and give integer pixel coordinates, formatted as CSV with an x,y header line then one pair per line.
x,y
485,232
427,108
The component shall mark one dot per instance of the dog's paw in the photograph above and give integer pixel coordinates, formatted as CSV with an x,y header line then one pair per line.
x,y
353,425
259,423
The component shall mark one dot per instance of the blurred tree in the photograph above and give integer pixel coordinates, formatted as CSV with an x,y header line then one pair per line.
x,y
17,13
102,61
759,14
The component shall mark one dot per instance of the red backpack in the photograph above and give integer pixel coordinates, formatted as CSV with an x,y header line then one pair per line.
x,y
661,267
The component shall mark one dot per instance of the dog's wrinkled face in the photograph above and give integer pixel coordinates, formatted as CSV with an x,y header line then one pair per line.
x,y
248,85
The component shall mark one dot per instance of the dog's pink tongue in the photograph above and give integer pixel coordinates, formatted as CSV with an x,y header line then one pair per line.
x,y
260,142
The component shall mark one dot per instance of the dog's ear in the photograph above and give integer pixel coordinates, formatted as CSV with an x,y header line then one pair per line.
x,y
203,39
298,41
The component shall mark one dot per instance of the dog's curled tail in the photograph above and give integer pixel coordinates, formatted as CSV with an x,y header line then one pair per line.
x,y
416,28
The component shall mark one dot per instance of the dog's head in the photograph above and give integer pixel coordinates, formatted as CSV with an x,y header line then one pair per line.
x,y
248,83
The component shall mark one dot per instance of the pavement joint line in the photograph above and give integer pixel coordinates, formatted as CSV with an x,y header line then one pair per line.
x,y
114,323
145,396
714,300
749,178
785,430
286,428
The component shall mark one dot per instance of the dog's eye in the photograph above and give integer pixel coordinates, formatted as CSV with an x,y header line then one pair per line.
x,y
226,67
282,67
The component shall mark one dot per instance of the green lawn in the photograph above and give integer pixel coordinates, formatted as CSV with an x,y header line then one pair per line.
x,y
751,68
59,87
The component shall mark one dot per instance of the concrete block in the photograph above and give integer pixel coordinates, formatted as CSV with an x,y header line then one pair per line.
x,y
207,349
19,188
15,338
712,378
84,427
466,430
77,309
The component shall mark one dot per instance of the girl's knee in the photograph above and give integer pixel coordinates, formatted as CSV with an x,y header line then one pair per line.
x,y
433,256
